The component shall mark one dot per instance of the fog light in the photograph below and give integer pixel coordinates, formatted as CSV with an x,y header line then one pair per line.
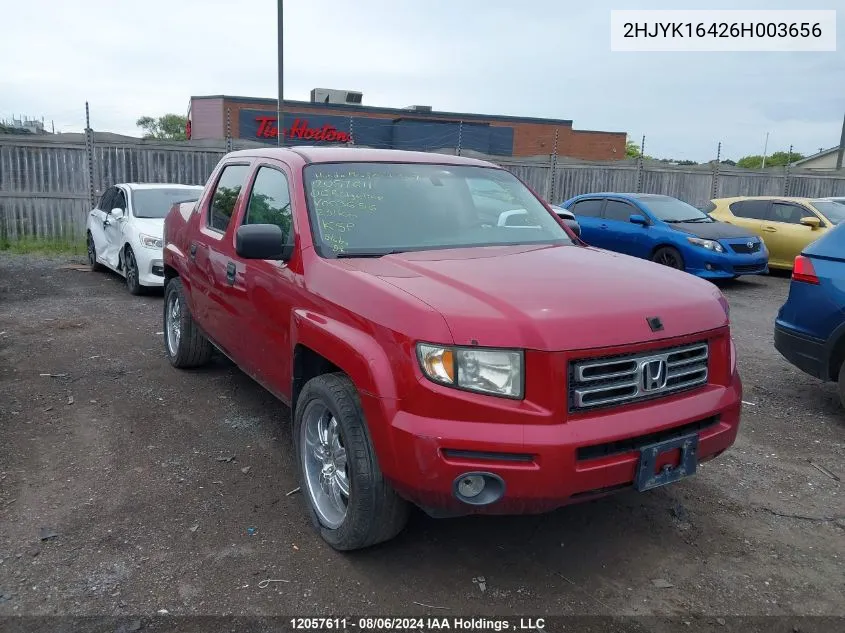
x,y
471,486
478,488
709,266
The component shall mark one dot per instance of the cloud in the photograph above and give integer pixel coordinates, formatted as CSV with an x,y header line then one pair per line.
x,y
541,58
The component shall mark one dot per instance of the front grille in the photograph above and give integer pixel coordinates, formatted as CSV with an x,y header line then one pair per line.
x,y
742,247
617,380
749,268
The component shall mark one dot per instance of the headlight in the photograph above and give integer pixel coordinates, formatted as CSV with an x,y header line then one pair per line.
x,y
149,241
710,245
491,371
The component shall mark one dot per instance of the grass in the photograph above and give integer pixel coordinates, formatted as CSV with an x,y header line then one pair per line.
x,y
43,246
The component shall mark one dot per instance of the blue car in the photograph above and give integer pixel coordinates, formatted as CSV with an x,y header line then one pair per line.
x,y
670,232
810,326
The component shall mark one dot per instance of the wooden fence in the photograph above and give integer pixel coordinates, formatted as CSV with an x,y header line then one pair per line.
x,y
47,183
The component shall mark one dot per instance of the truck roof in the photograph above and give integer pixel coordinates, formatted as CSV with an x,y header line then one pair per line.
x,y
311,154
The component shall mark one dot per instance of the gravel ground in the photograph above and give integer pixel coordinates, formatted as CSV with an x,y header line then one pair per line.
x,y
160,489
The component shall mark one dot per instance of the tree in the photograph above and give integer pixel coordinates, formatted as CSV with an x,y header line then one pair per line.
x,y
167,127
632,150
777,159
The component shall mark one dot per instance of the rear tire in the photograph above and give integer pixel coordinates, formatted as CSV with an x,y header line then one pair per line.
x,y
184,344
669,256
92,254
328,426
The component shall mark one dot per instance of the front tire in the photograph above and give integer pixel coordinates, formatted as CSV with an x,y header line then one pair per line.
x,y
185,345
669,256
130,269
345,494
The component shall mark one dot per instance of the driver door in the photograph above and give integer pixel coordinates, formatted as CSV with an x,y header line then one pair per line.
x,y
96,222
113,229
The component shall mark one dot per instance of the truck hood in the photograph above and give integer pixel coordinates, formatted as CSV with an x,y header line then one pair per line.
x,y
551,298
712,230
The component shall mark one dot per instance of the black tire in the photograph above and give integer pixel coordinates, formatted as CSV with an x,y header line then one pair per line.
x,y
92,254
669,256
375,513
841,384
130,269
192,348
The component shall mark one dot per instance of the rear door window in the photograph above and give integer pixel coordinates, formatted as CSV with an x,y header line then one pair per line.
x,y
225,196
750,209
591,207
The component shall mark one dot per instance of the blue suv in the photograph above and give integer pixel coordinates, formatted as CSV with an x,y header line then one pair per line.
x,y
670,232
810,326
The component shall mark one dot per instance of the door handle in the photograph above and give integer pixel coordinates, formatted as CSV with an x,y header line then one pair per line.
x,y
193,250
770,229
231,269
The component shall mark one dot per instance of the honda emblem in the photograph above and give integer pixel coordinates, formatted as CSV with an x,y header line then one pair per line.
x,y
654,374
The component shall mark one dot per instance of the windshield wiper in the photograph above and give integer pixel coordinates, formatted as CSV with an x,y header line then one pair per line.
x,y
688,220
350,254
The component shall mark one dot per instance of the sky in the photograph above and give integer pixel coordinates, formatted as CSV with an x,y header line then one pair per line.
x,y
544,58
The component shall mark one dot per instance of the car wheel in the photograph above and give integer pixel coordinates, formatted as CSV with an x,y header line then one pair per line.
x,y
668,256
131,270
92,254
184,343
346,496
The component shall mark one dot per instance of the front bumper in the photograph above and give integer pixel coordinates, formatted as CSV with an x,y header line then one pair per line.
x,y
808,354
150,266
546,466
724,266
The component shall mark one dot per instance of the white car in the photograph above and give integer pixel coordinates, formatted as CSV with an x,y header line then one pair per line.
x,y
124,231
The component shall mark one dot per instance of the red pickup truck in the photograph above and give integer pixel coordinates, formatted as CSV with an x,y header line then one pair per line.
x,y
442,338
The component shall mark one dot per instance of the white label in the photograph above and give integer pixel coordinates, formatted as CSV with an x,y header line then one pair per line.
x,y
723,31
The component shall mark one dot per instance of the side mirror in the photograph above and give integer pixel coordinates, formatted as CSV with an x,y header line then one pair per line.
x,y
812,222
573,224
116,213
636,218
262,241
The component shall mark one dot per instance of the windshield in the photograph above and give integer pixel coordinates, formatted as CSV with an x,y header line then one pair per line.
x,y
674,210
372,209
833,211
155,203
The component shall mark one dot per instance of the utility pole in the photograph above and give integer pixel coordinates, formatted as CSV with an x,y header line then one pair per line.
x,y
841,147
281,100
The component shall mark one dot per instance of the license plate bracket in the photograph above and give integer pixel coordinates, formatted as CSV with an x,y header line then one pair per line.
x,y
647,478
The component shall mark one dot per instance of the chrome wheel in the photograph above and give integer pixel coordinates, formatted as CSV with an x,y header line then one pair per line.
x,y
131,269
324,464
173,313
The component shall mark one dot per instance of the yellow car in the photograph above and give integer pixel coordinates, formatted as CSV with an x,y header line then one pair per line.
x,y
786,225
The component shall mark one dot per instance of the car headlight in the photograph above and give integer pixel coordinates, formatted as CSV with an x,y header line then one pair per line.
x,y
496,372
710,245
149,241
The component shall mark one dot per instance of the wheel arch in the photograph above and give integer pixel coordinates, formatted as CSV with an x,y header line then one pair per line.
x,y
835,353
325,345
